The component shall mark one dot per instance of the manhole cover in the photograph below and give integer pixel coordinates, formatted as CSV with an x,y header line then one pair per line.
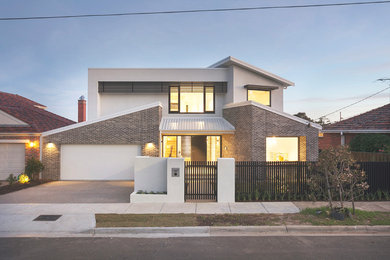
x,y
47,217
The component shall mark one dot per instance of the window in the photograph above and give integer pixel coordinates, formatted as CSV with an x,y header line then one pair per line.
x,y
191,98
282,149
260,96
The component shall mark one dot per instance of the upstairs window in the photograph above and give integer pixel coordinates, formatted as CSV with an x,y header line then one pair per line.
x,y
191,98
260,96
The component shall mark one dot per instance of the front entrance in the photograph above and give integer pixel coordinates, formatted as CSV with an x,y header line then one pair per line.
x,y
200,181
192,147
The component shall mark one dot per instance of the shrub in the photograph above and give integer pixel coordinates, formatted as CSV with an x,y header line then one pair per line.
x,y
370,143
11,179
23,178
33,168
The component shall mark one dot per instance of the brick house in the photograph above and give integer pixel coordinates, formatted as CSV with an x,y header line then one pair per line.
x,y
21,123
230,109
376,121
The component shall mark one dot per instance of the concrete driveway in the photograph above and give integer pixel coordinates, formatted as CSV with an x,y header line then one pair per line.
x,y
73,192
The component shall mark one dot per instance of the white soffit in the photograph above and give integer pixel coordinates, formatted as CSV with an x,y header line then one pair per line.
x,y
295,118
195,125
233,61
103,118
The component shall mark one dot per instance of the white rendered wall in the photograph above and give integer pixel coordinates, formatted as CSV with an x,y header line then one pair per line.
x,y
244,77
150,174
226,180
113,103
165,75
175,185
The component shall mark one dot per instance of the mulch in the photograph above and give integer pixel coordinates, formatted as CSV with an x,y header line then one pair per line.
x,y
18,186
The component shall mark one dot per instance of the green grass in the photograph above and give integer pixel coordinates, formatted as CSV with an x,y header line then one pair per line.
x,y
306,217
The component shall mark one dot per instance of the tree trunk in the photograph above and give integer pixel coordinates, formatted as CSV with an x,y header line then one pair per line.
x,y
329,192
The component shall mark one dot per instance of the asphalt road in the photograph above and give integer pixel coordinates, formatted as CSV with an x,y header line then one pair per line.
x,y
272,247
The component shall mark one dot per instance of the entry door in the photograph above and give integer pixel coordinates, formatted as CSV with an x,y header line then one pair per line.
x,y
199,148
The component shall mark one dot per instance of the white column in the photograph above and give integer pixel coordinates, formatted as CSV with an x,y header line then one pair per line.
x,y
175,182
226,180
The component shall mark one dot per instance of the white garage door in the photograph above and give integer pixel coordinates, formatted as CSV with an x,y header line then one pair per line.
x,y
11,160
98,162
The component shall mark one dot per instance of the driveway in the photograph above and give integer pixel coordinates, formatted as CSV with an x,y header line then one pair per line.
x,y
73,192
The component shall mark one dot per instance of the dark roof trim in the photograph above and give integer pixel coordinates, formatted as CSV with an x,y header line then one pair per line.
x,y
260,87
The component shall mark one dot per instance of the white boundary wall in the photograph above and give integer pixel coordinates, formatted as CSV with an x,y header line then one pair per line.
x,y
226,180
155,174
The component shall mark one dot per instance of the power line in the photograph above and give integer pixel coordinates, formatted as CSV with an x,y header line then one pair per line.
x,y
192,11
356,102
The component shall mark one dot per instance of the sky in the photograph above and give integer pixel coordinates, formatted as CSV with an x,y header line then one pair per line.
x,y
334,55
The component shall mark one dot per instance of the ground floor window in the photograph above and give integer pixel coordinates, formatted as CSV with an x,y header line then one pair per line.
x,y
282,149
192,147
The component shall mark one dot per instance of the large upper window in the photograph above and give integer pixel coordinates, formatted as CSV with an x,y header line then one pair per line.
x,y
191,98
260,96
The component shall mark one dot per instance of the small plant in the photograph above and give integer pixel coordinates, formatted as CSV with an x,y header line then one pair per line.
x,y
33,168
268,196
11,179
23,178
386,195
257,195
379,195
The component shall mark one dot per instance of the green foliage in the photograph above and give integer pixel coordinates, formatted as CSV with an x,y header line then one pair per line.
x,y
370,143
33,168
12,179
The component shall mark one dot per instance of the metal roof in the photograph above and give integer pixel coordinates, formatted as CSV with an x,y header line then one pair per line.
x,y
195,125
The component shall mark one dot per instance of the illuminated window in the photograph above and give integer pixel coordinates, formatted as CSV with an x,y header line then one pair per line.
x,y
174,99
282,148
191,98
260,96
213,148
170,144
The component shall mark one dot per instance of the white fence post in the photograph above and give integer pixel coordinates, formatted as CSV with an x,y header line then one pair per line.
x,y
175,180
226,180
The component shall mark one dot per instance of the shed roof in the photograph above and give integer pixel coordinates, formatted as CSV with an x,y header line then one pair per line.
x,y
196,125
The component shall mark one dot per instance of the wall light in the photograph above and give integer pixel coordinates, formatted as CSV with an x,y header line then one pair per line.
x,y
50,145
31,144
149,145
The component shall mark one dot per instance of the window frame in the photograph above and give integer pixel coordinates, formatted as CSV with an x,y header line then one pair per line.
x,y
204,101
266,90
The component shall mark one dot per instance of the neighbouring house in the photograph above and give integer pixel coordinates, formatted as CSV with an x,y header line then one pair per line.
x,y
230,109
376,121
21,123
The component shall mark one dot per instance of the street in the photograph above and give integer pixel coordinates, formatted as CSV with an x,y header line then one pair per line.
x,y
265,247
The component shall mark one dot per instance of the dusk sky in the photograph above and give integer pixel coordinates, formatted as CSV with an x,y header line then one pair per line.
x,y
333,54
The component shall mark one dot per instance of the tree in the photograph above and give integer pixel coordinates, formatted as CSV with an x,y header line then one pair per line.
x,y
303,116
370,143
340,176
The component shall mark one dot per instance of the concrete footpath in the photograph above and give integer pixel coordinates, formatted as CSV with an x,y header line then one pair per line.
x,y
79,219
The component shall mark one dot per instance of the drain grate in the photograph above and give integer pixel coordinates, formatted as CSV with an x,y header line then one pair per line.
x,y
47,218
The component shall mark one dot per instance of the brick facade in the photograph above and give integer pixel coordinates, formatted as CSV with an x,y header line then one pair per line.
x,y
253,124
140,128
334,140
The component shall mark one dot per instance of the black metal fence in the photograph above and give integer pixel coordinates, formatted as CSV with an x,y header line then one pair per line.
x,y
274,180
200,181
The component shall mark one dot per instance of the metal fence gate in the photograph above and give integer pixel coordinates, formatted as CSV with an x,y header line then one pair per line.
x,y
200,181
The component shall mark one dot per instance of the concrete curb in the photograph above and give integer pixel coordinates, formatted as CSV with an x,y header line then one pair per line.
x,y
244,230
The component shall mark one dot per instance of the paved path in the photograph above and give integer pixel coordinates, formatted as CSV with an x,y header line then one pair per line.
x,y
77,218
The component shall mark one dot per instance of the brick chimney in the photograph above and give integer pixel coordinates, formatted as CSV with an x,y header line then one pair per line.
x,y
82,104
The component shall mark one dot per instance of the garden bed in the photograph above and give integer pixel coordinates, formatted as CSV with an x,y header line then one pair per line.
x,y
18,186
306,217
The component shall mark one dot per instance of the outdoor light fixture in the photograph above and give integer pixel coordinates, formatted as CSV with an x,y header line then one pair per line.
x,y
31,144
50,145
149,145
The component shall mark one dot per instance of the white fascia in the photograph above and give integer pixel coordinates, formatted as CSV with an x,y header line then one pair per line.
x,y
233,61
295,118
357,131
103,118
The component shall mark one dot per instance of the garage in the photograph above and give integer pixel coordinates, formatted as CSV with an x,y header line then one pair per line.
x,y
98,162
11,160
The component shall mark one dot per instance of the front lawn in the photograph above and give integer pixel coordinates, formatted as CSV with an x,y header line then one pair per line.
x,y
306,217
